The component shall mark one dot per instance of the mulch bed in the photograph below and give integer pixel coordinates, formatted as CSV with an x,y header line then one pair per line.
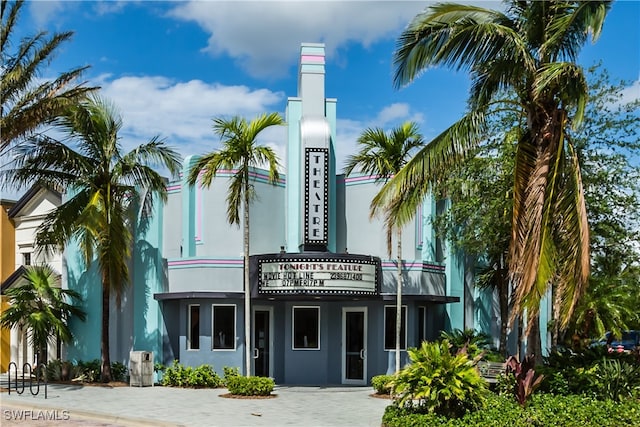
x,y
111,384
381,396
237,396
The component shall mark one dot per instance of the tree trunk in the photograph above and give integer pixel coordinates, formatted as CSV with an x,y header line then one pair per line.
x,y
247,285
534,346
105,370
399,300
503,298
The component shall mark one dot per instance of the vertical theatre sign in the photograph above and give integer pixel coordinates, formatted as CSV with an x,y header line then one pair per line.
x,y
316,197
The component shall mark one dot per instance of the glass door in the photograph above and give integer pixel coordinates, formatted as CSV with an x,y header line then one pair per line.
x,y
262,342
354,345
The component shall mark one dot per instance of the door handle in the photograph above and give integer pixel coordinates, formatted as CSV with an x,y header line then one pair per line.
x,y
256,353
363,354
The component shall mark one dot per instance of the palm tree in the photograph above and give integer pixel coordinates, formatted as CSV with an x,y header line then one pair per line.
x,y
529,49
28,102
104,185
241,152
606,306
382,155
42,308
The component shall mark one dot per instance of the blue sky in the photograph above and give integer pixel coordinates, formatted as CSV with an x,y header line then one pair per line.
x,y
170,67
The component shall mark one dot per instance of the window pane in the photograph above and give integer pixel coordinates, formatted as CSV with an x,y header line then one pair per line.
x,y
224,327
390,328
422,323
193,339
306,330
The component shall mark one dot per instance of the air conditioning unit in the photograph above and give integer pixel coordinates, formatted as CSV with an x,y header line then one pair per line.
x,y
141,368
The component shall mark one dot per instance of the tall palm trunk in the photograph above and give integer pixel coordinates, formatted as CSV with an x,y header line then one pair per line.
x,y
534,345
503,299
399,299
105,370
247,287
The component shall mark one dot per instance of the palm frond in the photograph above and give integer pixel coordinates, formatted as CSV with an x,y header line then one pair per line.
x,y
26,103
406,190
533,254
456,35
48,161
574,239
59,225
570,25
568,82
154,153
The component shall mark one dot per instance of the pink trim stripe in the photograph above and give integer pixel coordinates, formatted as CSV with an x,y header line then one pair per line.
x,y
173,187
252,174
316,59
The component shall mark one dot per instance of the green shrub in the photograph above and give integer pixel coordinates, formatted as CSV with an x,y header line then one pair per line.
x,y
611,376
505,384
250,386
544,410
203,376
118,371
616,380
475,342
89,371
230,372
382,383
439,382
554,382
54,370
561,358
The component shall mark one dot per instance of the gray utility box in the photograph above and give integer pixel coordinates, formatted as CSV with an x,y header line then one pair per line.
x,y
141,368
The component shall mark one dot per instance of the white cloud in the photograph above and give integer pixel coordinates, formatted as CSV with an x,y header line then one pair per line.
x,y
265,36
43,12
181,111
395,112
348,131
631,93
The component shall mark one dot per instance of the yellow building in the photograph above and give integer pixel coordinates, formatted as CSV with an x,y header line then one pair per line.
x,y
7,266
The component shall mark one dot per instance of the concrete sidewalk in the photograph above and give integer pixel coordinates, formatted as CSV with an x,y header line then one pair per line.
x,y
165,406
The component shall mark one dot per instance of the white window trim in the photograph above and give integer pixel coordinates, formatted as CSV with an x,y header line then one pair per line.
x,y
293,341
189,326
235,318
406,315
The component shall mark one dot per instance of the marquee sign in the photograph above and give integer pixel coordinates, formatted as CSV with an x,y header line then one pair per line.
x,y
325,276
316,190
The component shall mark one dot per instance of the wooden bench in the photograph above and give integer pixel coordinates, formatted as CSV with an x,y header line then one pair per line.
x,y
491,371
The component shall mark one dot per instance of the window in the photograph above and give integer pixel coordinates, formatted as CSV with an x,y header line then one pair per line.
x,y
390,328
224,327
26,258
422,324
193,325
306,328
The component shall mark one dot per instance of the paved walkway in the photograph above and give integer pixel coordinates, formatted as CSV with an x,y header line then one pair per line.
x,y
69,405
